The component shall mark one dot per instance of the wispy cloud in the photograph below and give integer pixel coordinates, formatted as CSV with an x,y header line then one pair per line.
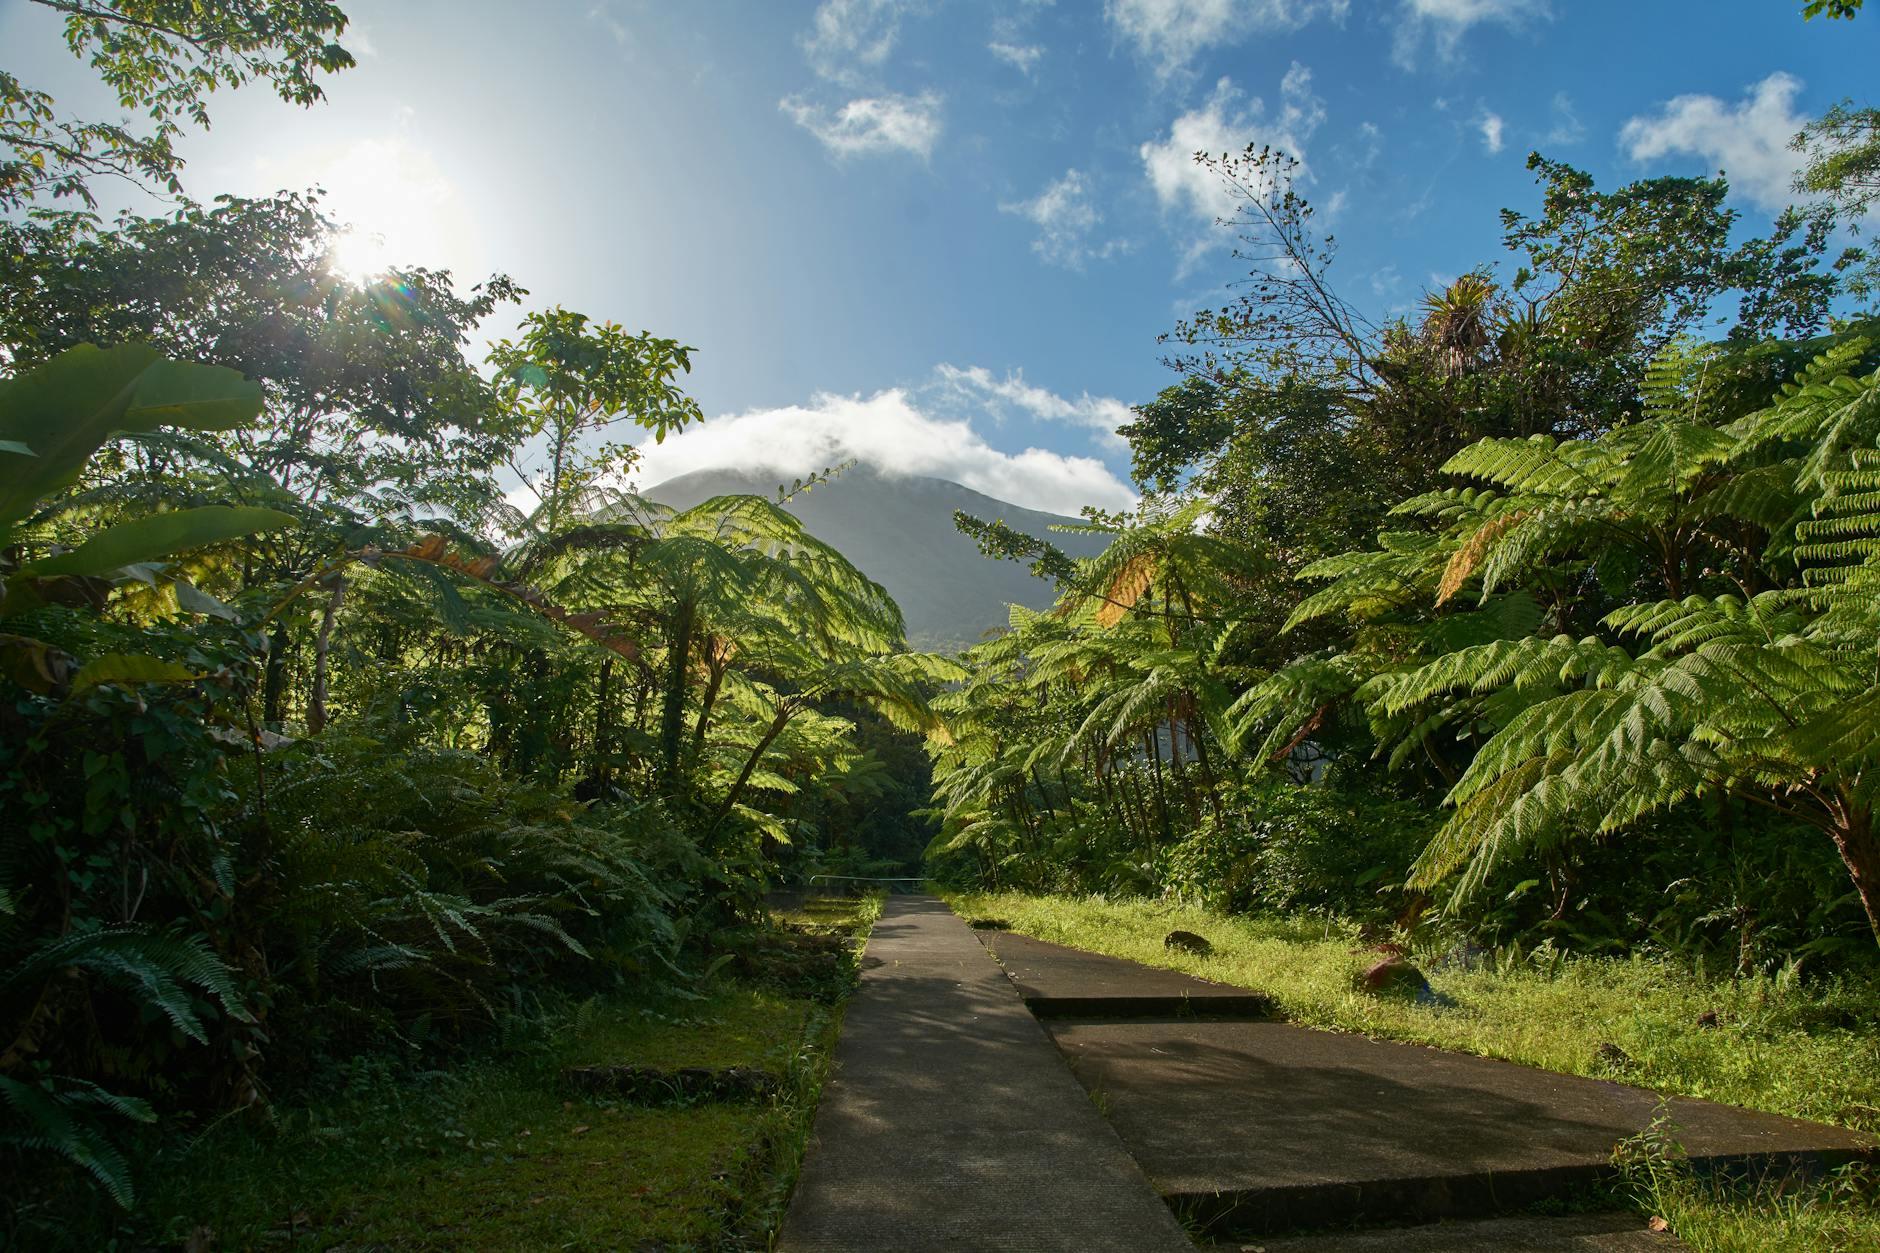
x,y
1228,122
1098,415
871,125
1022,57
1748,140
1066,217
847,44
848,37
601,13
1361,151
1567,126
1490,125
894,432
1441,24
1170,34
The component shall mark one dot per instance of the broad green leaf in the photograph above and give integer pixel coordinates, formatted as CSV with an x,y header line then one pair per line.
x,y
160,534
192,599
129,668
196,397
64,410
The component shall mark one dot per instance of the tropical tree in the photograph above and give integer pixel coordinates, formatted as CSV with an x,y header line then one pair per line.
x,y
565,382
162,59
1754,692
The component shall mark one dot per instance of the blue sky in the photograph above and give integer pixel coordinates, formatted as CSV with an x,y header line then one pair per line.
x,y
944,234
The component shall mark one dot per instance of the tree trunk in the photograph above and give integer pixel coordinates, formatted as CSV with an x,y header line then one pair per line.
x,y
710,698
1132,790
1178,773
775,729
1161,789
1208,779
274,683
554,478
316,699
1859,846
1044,794
603,723
1070,796
672,713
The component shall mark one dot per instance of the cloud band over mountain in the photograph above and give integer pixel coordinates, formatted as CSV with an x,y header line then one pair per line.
x,y
898,432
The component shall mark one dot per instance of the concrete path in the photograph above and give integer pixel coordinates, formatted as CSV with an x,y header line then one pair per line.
x,y
1270,1126
950,1121
1059,982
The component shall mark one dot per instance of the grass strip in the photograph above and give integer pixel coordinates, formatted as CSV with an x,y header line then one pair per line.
x,y
1808,1049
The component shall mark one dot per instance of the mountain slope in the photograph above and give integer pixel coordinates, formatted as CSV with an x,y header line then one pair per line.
x,y
899,531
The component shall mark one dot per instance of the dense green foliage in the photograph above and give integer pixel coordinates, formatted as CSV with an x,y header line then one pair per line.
x,y
490,1151
313,746
228,862
1538,554
354,716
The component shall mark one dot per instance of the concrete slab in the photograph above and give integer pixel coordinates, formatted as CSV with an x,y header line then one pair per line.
x,y
1264,1126
950,1121
1571,1233
1060,982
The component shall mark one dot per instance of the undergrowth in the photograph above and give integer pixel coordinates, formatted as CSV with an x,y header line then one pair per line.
x,y
497,1152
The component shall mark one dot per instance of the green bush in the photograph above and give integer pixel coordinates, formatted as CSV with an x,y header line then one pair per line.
x,y
417,889
189,923
1277,846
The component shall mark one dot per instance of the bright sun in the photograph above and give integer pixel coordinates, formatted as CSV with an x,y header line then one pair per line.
x,y
360,256
395,208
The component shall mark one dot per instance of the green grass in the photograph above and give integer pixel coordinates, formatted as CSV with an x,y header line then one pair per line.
x,y
494,1153
1839,1214
1809,1050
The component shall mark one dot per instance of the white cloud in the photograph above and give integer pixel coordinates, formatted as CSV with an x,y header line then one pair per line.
x,y
1748,141
1567,126
1021,57
1444,22
1491,127
1100,415
1228,122
872,124
1065,217
891,432
846,35
1171,33
359,40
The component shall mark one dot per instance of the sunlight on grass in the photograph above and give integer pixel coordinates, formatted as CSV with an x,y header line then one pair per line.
x,y
1809,1051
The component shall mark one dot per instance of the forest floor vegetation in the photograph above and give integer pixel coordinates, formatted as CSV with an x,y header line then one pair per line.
x,y
1804,1048
497,1152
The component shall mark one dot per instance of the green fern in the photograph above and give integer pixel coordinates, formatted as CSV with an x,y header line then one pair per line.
x,y
62,1118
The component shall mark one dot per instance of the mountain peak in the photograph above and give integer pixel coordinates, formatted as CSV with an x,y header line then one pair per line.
x,y
898,529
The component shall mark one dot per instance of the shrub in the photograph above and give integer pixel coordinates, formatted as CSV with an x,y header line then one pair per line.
x,y
1278,846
